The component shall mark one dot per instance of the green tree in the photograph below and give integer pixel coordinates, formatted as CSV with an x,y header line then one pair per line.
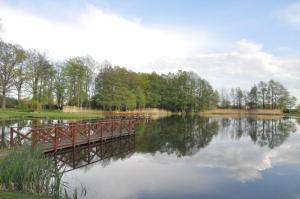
x,y
262,93
253,97
11,56
77,76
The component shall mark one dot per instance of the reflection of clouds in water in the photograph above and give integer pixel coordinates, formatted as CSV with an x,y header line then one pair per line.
x,y
246,161
242,161
214,166
139,174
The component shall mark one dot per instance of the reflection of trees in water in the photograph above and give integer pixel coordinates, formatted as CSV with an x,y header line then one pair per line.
x,y
183,136
5,129
20,124
263,132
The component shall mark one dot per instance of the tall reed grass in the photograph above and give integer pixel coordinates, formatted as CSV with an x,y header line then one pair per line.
x,y
28,170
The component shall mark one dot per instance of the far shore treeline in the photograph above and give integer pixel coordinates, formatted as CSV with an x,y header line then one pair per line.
x,y
30,81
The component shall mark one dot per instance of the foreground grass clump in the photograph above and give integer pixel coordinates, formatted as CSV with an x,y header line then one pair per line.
x,y
28,170
14,195
14,113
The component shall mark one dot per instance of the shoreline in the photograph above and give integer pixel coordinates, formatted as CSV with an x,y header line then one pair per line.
x,y
19,114
244,112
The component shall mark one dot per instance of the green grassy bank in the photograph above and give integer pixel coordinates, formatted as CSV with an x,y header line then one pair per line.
x,y
244,112
295,114
17,114
15,195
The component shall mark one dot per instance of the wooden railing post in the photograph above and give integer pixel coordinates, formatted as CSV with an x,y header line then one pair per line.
x,y
55,138
89,133
112,128
101,131
12,143
73,135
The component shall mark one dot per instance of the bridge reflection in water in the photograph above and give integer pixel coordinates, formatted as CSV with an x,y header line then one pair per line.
x,y
81,156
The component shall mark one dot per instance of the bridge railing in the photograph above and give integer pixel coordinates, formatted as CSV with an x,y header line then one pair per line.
x,y
72,134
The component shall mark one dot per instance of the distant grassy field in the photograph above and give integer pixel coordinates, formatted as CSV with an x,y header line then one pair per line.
x,y
13,195
243,112
296,114
13,113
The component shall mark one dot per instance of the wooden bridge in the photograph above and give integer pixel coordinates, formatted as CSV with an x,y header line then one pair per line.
x,y
64,136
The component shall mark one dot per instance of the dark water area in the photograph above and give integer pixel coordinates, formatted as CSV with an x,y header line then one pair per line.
x,y
190,157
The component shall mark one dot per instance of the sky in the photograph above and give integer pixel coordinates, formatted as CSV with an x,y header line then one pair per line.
x,y
230,43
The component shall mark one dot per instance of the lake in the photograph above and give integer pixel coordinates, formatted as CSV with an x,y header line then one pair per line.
x,y
191,157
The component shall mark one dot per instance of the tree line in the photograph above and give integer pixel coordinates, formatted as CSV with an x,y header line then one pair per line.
x,y
265,95
117,88
38,83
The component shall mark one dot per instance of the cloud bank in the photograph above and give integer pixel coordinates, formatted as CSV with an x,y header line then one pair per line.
x,y
107,36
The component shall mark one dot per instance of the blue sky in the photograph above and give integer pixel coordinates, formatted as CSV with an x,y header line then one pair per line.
x,y
227,42
249,19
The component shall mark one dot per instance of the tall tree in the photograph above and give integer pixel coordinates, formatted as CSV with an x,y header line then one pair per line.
x,y
21,77
10,57
253,97
77,75
60,86
239,97
262,92
41,78
224,99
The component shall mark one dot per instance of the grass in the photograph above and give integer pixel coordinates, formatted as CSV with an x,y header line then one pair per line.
x,y
27,173
15,114
27,170
297,114
16,195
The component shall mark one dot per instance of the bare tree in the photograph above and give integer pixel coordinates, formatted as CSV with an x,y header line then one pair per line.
x,y
10,57
262,92
20,79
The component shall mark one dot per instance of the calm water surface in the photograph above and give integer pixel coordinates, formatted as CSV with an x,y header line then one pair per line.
x,y
194,158
218,158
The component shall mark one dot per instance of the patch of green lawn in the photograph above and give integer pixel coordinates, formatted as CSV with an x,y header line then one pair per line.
x,y
296,114
13,113
15,195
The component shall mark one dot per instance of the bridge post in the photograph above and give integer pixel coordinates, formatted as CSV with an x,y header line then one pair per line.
x,y
55,138
89,132
112,128
101,131
73,135
12,143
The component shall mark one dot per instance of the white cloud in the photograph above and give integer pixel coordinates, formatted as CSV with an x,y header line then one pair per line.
x,y
130,43
102,35
291,15
243,65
